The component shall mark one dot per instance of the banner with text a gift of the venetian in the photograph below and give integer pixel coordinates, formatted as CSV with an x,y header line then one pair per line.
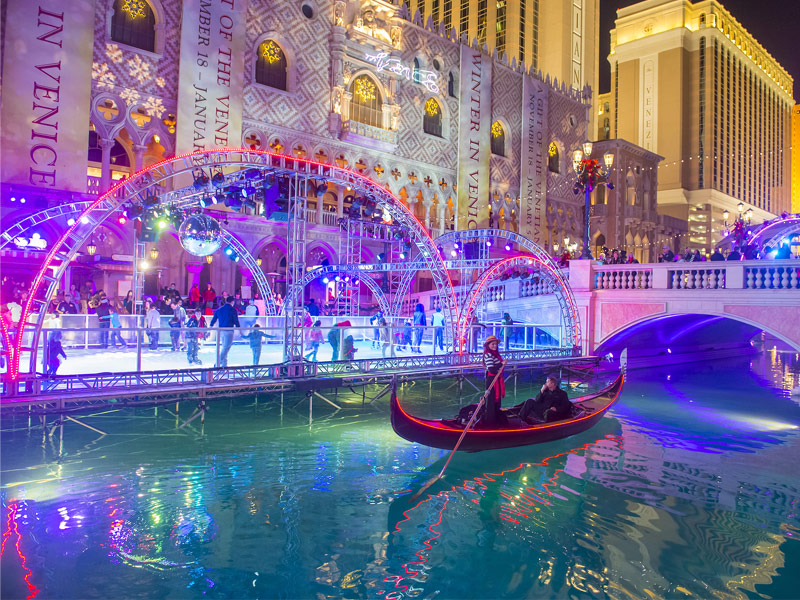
x,y
533,162
47,82
474,143
211,75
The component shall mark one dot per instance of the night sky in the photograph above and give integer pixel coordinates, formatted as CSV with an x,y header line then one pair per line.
x,y
775,24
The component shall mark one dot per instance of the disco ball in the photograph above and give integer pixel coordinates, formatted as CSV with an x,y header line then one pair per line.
x,y
200,235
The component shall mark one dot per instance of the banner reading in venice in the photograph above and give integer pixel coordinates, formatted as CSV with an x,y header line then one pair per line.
x,y
474,144
533,164
47,70
211,75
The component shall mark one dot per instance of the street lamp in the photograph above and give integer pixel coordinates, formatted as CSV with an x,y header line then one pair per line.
x,y
742,219
91,248
590,175
154,253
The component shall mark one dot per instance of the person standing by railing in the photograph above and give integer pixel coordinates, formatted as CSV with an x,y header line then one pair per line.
x,y
193,337
419,327
437,320
227,318
103,312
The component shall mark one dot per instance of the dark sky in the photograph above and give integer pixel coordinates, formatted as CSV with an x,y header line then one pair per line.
x,y
775,24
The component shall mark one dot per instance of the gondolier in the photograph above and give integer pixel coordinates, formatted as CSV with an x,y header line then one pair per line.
x,y
493,363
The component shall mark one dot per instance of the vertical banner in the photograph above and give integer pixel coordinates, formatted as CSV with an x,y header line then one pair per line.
x,y
211,75
474,143
47,83
533,166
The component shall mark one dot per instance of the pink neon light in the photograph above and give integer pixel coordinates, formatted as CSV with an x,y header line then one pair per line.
x,y
12,528
488,276
15,351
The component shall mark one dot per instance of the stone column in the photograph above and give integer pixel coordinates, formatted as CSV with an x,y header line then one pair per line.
x,y
320,204
195,269
105,162
340,205
138,154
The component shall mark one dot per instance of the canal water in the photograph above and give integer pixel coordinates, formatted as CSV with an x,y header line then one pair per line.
x,y
690,488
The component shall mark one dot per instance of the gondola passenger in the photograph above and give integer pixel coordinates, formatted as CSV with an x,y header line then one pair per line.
x,y
493,362
551,404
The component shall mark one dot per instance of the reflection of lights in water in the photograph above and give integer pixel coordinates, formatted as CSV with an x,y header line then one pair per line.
x,y
12,529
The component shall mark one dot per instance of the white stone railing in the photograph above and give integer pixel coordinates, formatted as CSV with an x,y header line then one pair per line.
x,y
737,275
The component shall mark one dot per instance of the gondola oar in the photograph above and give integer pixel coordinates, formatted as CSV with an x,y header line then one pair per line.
x,y
433,480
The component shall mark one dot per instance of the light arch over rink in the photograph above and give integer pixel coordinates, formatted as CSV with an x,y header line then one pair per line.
x,y
561,290
148,181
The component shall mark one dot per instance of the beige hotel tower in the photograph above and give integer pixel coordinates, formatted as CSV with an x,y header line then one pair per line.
x,y
689,83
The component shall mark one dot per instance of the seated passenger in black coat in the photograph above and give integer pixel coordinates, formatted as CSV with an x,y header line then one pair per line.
x,y
551,404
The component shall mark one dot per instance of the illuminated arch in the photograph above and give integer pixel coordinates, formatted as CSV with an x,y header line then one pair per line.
x,y
359,270
569,310
769,234
148,182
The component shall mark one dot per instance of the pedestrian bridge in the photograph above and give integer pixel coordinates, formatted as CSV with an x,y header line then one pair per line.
x,y
672,312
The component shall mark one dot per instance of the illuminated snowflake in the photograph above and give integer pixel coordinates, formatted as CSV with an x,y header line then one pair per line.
x,y
497,129
130,96
160,82
114,53
136,9
104,77
365,88
154,107
271,51
432,107
139,69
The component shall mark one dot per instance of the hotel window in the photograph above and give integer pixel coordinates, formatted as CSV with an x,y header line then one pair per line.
x,y
432,119
482,10
416,71
500,39
498,139
366,106
702,123
451,85
552,158
271,65
447,16
134,24
463,25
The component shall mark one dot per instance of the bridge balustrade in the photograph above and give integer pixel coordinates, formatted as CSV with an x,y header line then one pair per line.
x,y
736,275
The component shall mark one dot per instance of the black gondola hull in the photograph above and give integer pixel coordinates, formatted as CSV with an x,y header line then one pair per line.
x,y
438,434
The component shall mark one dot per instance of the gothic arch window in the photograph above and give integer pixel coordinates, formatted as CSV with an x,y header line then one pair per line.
x,y
133,23
498,133
416,70
432,119
451,85
552,158
271,65
366,106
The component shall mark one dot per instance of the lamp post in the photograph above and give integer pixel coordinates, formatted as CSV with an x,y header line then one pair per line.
x,y
739,226
590,174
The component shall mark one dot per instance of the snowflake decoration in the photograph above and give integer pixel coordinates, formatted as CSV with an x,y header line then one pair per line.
x,y
497,129
139,69
136,9
365,88
104,77
114,53
154,107
271,52
432,107
130,96
160,82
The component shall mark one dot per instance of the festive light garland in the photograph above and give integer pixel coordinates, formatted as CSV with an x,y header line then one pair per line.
x,y
135,9
365,89
497,129
432,107
271,52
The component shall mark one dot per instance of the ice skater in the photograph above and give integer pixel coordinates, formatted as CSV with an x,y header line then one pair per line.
x,y
116,325
256,336
193,337
54,350
315,339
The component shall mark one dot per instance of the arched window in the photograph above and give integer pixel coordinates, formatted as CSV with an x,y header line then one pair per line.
x,y
451,86
416,70
366,105
271,65
498,139
552,158
432,120
134,24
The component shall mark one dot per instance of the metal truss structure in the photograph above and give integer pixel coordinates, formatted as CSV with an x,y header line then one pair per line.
x,y
295,270
562,292
774,232
151,182
357,271
72,209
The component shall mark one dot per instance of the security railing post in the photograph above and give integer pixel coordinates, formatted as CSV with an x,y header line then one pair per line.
x,y
138,349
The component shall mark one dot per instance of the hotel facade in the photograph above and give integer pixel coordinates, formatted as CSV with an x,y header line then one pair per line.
x,y
691,84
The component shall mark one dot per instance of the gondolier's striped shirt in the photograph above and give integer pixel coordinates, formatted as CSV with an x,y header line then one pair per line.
x,y
491,362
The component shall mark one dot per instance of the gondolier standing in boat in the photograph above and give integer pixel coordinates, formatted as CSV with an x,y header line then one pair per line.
x,y
493,363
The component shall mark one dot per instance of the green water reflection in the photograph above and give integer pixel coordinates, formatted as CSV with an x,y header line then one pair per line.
x,y
688,490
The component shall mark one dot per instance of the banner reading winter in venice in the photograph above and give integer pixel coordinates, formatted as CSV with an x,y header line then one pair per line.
x,y
211,75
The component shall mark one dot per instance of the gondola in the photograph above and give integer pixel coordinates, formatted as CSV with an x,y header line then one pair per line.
x,y
444,433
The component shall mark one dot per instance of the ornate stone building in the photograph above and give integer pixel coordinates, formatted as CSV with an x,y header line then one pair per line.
x,y
466,140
